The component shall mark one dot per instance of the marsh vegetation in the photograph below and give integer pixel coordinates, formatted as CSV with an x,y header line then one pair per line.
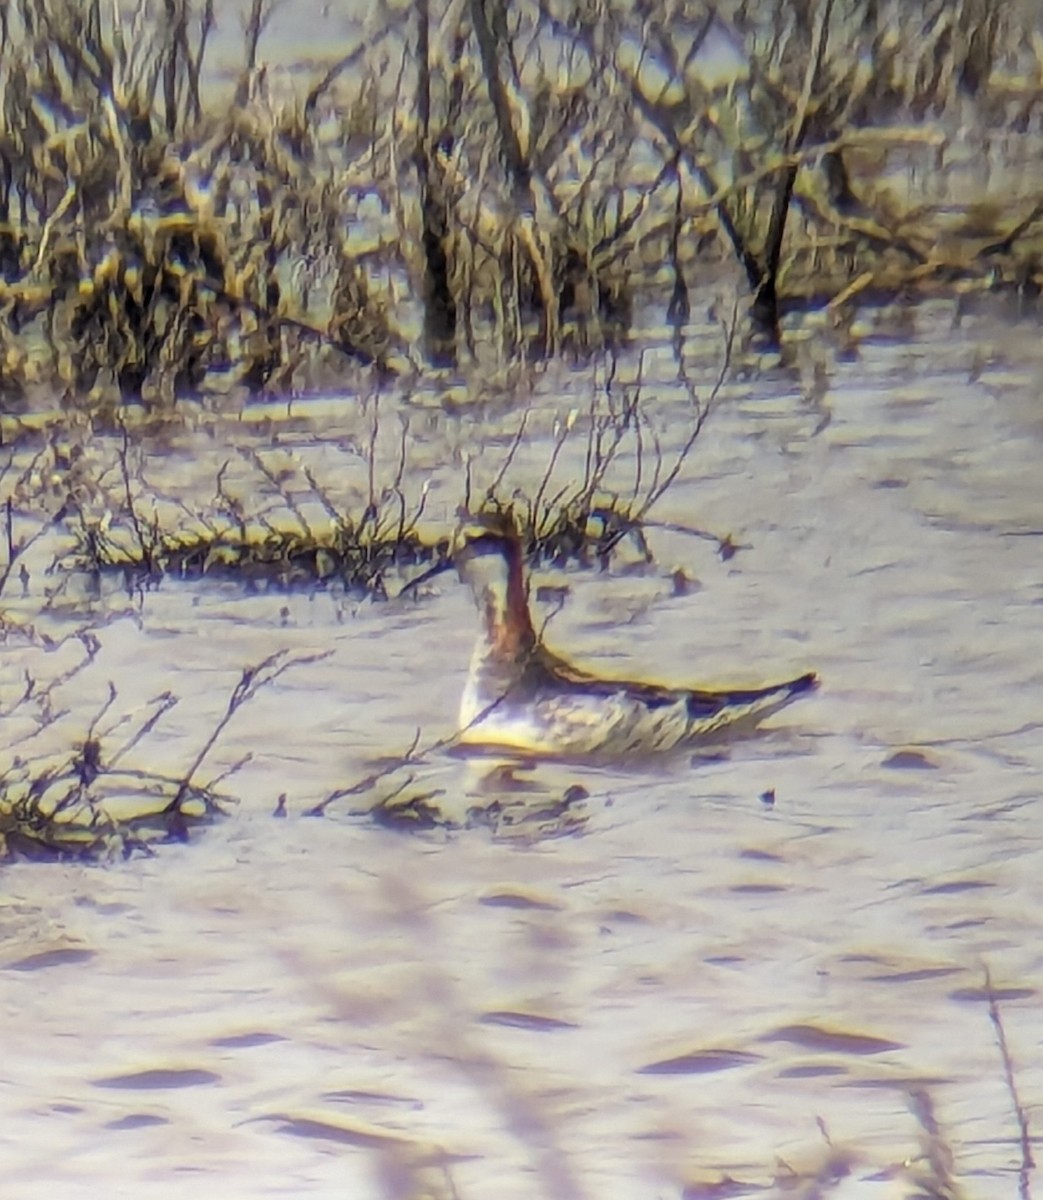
x,y
483,185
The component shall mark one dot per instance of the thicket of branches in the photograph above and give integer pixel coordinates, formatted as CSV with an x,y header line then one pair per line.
x,y
482,180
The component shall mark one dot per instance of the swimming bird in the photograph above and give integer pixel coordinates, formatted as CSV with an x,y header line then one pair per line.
x,y
522,696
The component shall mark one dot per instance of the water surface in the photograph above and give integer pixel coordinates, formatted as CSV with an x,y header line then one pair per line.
x,y
769,966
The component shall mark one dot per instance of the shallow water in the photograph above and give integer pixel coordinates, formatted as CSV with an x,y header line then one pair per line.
x,y
686,985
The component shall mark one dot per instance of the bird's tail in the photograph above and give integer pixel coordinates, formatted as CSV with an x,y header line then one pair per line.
x,y
710,712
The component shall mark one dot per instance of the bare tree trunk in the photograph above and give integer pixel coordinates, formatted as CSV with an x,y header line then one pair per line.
x,y
439,305
491,35
766,299
175,15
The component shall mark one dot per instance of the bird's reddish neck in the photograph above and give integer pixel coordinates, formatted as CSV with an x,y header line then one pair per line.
x,y
504,605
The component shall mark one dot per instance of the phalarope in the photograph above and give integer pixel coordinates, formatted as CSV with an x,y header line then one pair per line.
x,y
522,696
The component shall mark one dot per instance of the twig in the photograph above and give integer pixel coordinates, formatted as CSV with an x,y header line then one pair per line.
x,y
336,517
437,568
286,496
656,493
516,442
52,220
363,785
1003,246
338,68
372,509
410,756
109,702
396,487
229,771
164,702
562,432
725,546
145,548
16,549
250,683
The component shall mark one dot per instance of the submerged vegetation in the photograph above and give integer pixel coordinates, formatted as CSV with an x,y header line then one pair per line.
x,y
81,803
83,798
